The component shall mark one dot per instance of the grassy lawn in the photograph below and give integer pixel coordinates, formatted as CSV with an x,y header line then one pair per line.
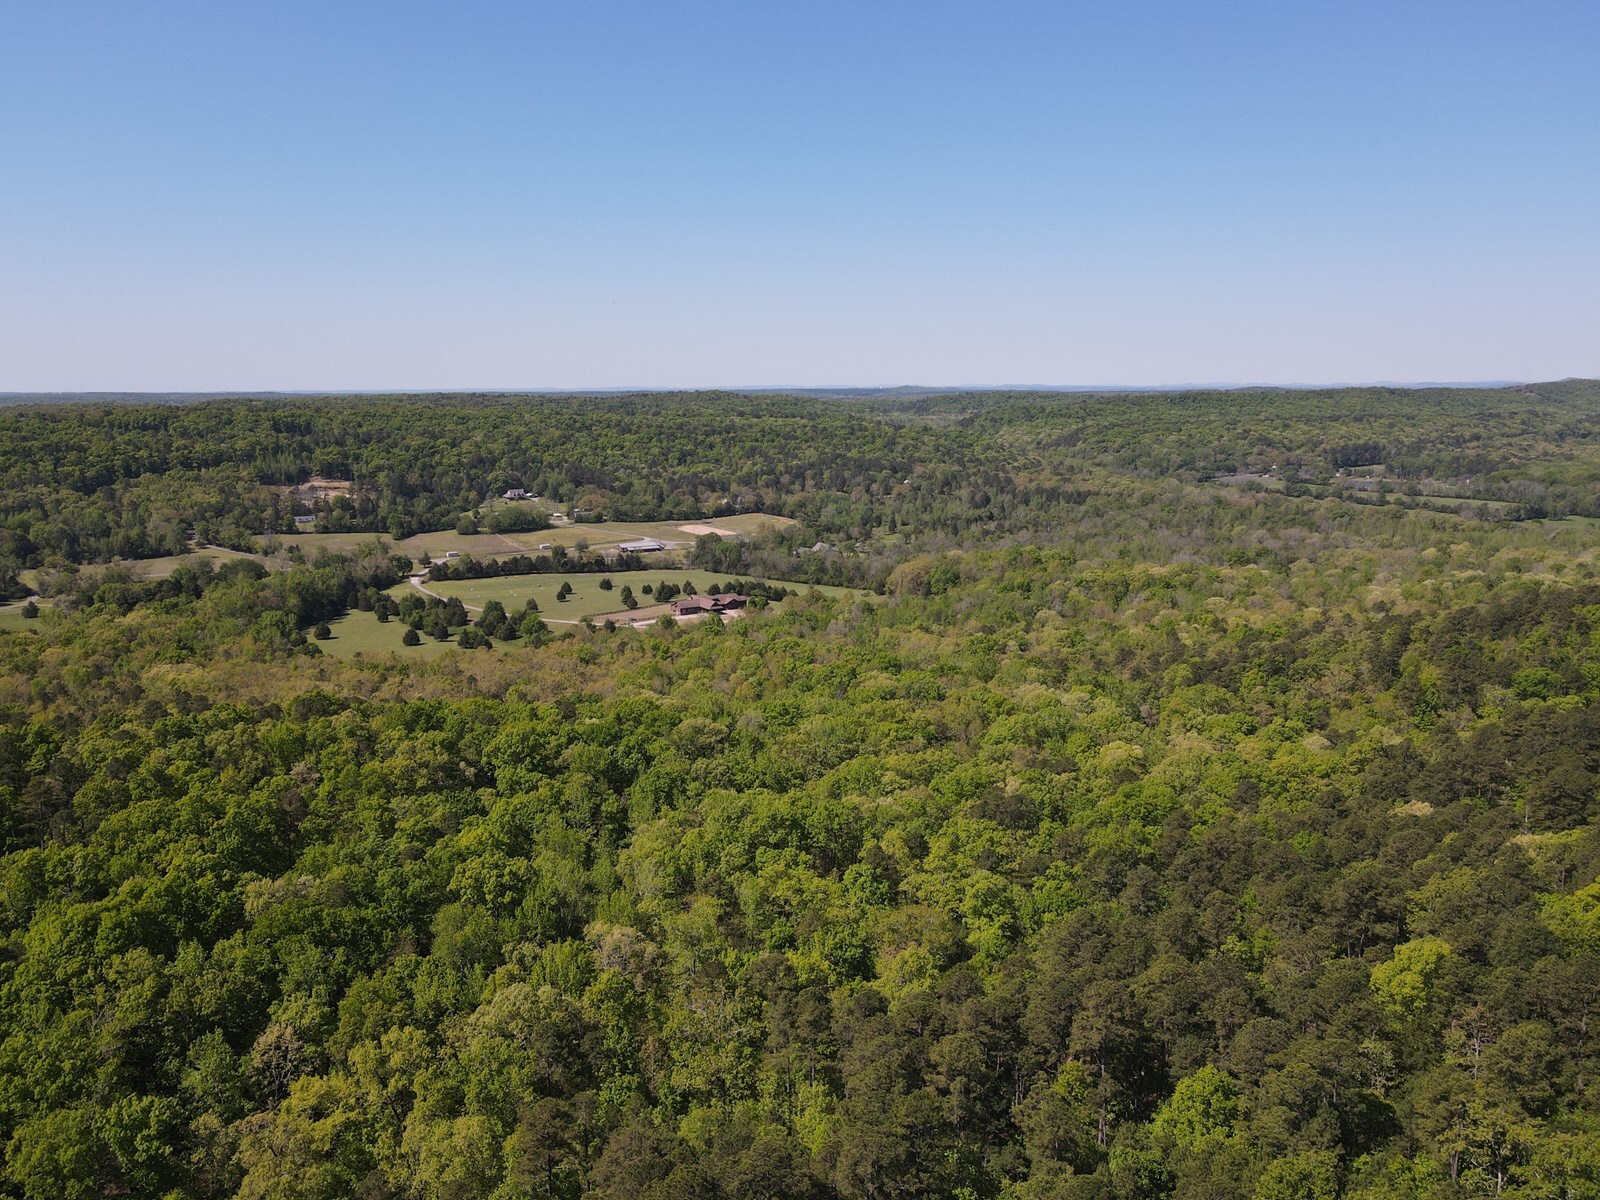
x,y
156,568
335,543
11,618
609,533
746,523
588,599
362,633
160,568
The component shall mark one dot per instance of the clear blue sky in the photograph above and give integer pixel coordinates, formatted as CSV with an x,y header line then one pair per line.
x,y
229,195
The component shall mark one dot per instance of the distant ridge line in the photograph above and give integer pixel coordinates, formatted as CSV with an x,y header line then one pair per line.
x,y
180,397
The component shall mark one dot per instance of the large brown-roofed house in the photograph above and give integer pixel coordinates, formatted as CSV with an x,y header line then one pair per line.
x,y
691,606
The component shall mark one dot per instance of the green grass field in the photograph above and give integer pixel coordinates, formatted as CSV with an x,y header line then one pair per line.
x,y
362,633
160,568
588,599
610,533
155,568
11,618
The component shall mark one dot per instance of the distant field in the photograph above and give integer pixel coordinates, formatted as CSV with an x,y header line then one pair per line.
x,y
160,568
334,543
587,598
609,533
747,523
11,618
156,568
362,633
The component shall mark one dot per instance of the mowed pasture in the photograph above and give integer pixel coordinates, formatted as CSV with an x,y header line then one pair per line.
x,y
11,618
487,545
159,568
588,598
362,633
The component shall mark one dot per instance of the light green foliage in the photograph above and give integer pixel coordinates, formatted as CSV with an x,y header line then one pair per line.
x,y
1307,1176
315,1147
56,1154
1404,984
1202,1108
1575,918
1188,840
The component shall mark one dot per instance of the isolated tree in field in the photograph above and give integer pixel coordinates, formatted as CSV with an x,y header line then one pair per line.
x,y
412,638
628,600
323,632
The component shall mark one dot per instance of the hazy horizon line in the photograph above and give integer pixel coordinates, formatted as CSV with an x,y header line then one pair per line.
x,y
809,387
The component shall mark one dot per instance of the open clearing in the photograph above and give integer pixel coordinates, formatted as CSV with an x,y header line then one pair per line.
x,y
362,633
489,545
160,568
11,618
588,599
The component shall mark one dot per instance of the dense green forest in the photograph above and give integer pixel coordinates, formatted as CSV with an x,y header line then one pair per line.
x,y
83,483
1143,836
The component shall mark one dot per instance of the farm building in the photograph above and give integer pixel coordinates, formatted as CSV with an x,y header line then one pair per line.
x,y
640,545
516,494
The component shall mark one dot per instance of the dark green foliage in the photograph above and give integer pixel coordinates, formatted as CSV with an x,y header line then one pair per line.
x,y
558,561
517,519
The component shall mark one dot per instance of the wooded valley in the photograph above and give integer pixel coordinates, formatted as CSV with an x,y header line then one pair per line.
x,y
1195,795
